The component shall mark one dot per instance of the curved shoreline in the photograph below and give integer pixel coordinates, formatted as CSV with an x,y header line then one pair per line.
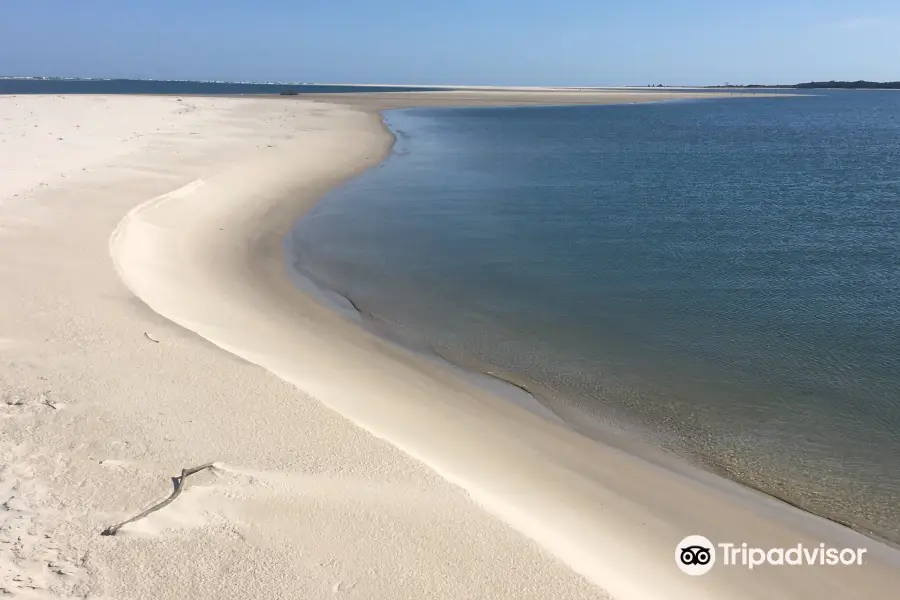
x,y
209,257
629,437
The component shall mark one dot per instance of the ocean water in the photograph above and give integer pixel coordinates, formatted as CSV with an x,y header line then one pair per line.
x,y
720,277
205,88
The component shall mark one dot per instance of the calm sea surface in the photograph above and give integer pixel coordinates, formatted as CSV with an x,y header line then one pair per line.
x,y
721,276
205,88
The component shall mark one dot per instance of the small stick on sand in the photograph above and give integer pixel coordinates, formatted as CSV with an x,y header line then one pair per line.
x,y
147,335
179,485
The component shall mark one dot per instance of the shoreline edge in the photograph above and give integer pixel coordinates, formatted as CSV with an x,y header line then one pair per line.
x,y
544,480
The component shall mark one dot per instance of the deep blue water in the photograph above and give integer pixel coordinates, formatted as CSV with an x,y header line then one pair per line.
x,y
141,86
722,277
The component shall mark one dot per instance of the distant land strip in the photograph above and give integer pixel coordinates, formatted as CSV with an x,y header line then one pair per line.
x,y
290,89
840,85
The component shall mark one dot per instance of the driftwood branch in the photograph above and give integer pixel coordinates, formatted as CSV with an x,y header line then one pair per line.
x,y
179,485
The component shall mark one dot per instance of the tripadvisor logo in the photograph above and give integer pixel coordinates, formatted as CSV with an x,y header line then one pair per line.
x,y
696,555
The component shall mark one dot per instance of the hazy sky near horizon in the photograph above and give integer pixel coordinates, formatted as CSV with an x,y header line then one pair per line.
x,y
474,42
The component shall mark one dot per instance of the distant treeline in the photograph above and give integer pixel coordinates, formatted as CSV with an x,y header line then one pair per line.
x,y
841,85
852,85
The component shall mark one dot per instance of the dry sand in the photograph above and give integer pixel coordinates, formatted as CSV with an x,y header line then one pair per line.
x,y
345,467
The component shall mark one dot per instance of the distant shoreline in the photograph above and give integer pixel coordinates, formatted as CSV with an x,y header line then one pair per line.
x,y
820,85
286,87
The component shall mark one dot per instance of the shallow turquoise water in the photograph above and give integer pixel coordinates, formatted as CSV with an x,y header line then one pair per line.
x,y
721,276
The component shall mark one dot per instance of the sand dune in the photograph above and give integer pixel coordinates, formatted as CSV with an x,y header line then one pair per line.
x,y
344,466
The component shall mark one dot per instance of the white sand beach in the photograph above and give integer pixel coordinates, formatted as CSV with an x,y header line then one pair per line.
x,y
147,325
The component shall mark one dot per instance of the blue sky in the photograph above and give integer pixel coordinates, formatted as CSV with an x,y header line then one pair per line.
x,y
476,42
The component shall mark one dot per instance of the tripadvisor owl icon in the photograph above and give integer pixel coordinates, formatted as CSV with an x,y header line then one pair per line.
x,y
695,555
